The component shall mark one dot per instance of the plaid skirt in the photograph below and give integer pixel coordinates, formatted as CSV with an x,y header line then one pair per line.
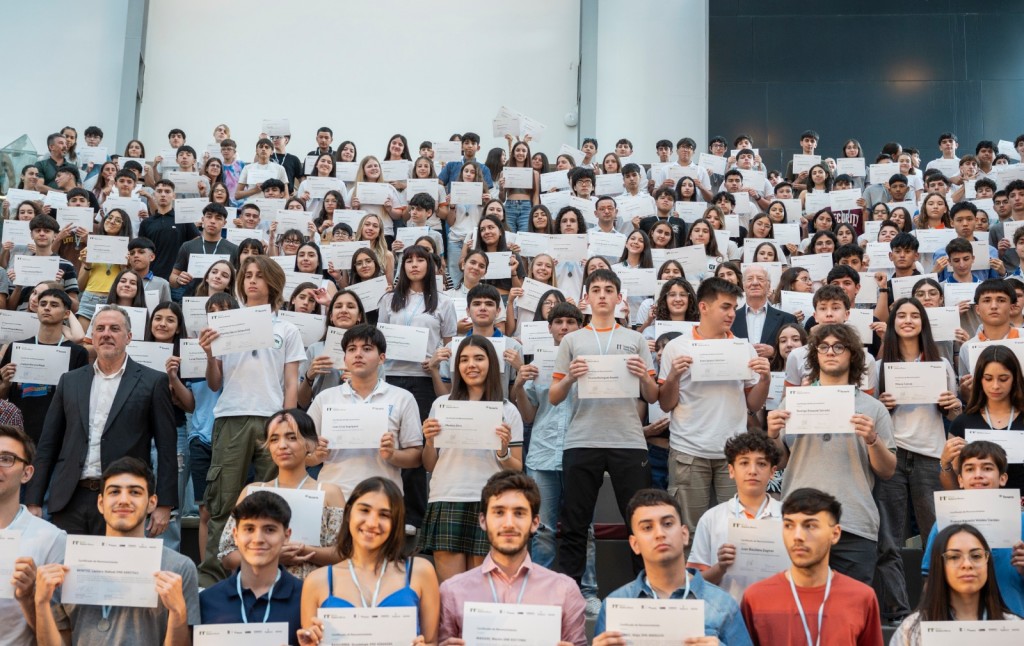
x,y
453,527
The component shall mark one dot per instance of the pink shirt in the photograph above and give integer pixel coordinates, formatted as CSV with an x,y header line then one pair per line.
x,y
544,587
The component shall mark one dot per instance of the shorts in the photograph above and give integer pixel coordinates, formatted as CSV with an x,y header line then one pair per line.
x,y
199,464
87,302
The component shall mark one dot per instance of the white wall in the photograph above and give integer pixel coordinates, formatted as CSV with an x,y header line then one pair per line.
x,y
64,68
366,69
652,80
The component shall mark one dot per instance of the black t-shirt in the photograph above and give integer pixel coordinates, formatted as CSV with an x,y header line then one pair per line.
x,y
34,399
168,238
678,227
1015,472
292,165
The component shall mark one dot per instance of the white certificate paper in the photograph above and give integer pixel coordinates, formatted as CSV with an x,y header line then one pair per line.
x,y
354,426
956,293
370,292
776,391
995,512
16,326
111,570
1011,441
193,308
189,210
916,382
39,364
639,282
307,507
606,243
269,634
760,552
198,263
17,232
372,192
517,177
608,378
498,265
569,247
536,335
817,265
151,354
392,626
654,622
112,250
241,330
311,326
502,623
845,200
944,322
397,170
852,166
469,425
32,270
804,162
470,193
78,216
817,410
558,179
193,359
720,360
10,550
405,343
958,633
903,287
793,302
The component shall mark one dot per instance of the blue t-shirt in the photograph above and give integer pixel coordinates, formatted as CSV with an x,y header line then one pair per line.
x,y
201,423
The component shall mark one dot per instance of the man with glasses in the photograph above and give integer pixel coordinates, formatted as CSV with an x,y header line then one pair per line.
x,y
842,464
757,321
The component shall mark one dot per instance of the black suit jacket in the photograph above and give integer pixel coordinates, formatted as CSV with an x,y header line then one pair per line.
x,y
140,413
773,322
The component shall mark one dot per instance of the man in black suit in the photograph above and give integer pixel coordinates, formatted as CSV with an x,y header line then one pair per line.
x,y
102,412
764,321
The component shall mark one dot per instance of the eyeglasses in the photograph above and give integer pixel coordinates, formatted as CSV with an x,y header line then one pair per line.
x,y
836,348
976,557
7,460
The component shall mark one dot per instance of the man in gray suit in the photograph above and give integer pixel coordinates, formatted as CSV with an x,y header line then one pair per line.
x,y
101,412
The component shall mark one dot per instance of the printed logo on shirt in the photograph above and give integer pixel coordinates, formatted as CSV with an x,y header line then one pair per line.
x,y
278,341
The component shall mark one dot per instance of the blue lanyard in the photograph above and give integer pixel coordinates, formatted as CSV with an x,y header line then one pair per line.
x,y
241,599
522,590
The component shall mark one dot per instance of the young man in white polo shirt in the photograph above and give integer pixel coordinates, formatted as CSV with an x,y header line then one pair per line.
x,y
400,447
704,414
752,459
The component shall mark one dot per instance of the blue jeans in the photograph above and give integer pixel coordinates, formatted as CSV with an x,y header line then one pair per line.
x,y
544,547
454,255
517,215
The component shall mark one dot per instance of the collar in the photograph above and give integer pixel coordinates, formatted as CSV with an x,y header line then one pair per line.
x,y
497,333
117,373
1014,333
698,337
379,389
644,588
283,590
149,275
489,566
761,310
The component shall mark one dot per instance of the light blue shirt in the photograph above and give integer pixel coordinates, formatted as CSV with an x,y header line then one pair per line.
x,y
549,426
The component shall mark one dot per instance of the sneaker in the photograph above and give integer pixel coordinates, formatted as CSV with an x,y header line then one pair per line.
x,y
593,607
410,530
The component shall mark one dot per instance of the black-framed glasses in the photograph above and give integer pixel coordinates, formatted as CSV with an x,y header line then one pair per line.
x,y
836,348
7,460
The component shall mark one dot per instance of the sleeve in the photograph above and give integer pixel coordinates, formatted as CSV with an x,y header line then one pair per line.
x,y
756,379
165,435
563,358
449,320
451,616
531,394
244,177
384,308
190,590
70,278
574,619
703,552
872,633
956,429
602,619
181,260
294,350
515,422
410,430
926,558
645,354
793,372
51,441
316,411
747,613
445,367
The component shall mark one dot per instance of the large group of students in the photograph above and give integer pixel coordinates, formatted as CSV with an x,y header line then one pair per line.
x,y
342,364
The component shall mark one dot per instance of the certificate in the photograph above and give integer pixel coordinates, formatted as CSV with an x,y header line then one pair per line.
x,y
817,265
39,364
880,173
417,186
852,166
32,270
803,163
248,328
720,360
307,507
184,182
77,216
397,170
92,154
193,309
609,184
198,263
193,359
653,622
555,201
409,235
975,347
372,192
267,205
17,233
691,257
533,244
868,294
276,127
502,623
786,233
137,316
742,202
311,326
189,210
16,196
112,250
793,302
17,326
995,512
981,255
956,293
878,255
818,410
151,354
794,209
469,425
1011,441
270,634
318,186
958,633
944,322
558,180
354,426
340,253
903,287
844,200
635,206
111,571
536,335
517,177
949,167
776,390
586,207
569,247
55,199
10,550
760,552
750,246
915,382
532,291
931,240
333,347
712,163
690,212
447,151
606,243
405,343
498,265
861,320
577,157
393,626
664,327
141,161
639,282
608,377
467,193
544,359
287,219
370,292
346,171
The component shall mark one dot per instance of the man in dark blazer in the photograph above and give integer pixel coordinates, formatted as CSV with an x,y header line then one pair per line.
x,y
756,286
102,412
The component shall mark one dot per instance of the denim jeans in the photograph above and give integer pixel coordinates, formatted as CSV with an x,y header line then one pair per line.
x,y
517,215
659,466
544,548
454,254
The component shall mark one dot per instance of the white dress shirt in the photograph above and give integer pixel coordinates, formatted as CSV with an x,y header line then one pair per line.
x,y
755,322
101,398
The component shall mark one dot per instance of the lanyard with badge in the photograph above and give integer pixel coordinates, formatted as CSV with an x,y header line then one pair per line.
x,y
611,337
522,590
800,608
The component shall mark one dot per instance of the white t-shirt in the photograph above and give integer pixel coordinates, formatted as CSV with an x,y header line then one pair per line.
x,y
378,209
44,543
253,382
918,427
467,217
279,172
348,467
460,474
440,324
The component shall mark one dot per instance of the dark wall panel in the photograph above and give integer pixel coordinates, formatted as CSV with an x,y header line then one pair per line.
x,y
874,71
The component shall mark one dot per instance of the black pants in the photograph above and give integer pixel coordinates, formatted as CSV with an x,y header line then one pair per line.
x,y
583,473
81,516
414,481
854,556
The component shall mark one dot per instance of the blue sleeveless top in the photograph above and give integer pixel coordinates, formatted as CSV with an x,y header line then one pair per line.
x,y
402,597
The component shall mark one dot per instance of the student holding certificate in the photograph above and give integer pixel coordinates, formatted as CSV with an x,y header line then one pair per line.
x,y
319,370
96,284
372,572
389,209
793,607
261,591
519,199
993,300
371,232
126,497
836,358
659,536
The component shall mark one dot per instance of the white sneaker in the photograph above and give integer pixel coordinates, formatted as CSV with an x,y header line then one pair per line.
x,y
593,607
410,530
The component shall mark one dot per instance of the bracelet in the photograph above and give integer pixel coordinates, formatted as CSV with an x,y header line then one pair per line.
x,y
506,457
883,290
947,468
